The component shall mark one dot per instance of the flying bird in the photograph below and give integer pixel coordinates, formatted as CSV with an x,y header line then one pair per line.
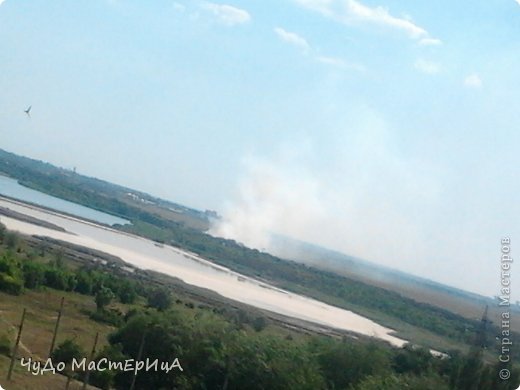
x,y
28,111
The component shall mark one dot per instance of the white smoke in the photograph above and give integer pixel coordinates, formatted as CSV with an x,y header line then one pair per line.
x,y
274,196
364,200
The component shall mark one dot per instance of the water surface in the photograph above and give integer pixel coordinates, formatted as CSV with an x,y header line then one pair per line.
x,y
11,188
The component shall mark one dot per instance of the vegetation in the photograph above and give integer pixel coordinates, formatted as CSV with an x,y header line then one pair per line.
x,y
219,351
326,286
67,351
218,348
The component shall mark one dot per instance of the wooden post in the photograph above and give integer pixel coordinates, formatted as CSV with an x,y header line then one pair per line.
x,y
15,349
56,327
139,355
87,374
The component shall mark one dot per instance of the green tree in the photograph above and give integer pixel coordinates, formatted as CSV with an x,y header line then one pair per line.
x,y
346,363
33,274
67,351
56,278
12,241
126,292
400,382
103,297
160,298
84,284
412,359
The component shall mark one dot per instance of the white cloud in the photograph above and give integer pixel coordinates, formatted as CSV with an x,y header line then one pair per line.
x,y
431,41
380,15
427,66
1,1
518,2
340,63
300,42
292,38
228,14
473,81
352,11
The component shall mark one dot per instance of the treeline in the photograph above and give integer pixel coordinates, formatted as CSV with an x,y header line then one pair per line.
x,y
88,191
323,285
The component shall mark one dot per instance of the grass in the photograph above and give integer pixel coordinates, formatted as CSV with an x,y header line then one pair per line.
x,y
42,310
24,380
42,307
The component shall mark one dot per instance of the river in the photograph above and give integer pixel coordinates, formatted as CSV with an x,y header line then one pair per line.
x,y
11,188
145,254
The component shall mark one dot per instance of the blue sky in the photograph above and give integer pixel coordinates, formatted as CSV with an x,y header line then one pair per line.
x,y
387,130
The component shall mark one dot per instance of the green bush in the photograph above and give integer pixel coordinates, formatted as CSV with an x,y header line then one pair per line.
x,y
10,284
160,298
111,317
126,292
56,278
33,274
84,283
67,351
103,297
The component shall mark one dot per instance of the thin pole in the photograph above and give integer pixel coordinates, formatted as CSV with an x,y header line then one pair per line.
x,y
139,354
87,374
15,350
56,327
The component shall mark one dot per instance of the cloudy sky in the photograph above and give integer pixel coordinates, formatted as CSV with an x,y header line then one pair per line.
x,y
386,130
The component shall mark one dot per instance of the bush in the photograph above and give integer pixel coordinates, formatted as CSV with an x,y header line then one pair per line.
x,y
259,323
103,297
84,283
12,241
111,317
160,299
8,265
126,292
10,284
33,274
56,278
67,351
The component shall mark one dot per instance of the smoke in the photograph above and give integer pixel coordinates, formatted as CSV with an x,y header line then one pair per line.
x,y
273,196
358,196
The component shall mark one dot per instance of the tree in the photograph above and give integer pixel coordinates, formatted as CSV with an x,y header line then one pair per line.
x,y
12,241
412,359
84,283
160,299
345,363
56,278
33,274
399,382
103,297
67,351
126,292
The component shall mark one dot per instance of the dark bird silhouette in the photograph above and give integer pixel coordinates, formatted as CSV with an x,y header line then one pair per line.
x,y
28,111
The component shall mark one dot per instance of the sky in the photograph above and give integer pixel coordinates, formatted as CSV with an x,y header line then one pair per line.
x,y
387,130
